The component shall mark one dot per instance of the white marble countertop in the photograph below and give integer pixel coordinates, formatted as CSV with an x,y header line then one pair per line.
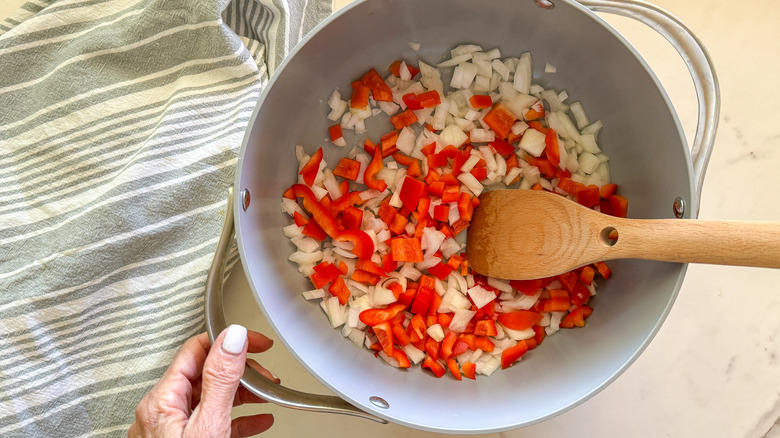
x,y
714,368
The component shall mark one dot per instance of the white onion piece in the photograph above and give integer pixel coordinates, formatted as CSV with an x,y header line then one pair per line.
x,y
481,296
290,207
453,135
501,285
455,60
449,247
428,263
301,257
292,230
461,320
456,279
487,365
305,243
431,241
409,271
522,301
471,183
315,294
436,331
512,174
549,68
415,355
533,142
523,74
470,163
580,118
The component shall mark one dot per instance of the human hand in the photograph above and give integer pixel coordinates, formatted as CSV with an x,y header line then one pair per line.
x,y
195,394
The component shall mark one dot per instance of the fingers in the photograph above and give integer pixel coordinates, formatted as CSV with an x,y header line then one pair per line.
x,y
251,425
222,371
260,369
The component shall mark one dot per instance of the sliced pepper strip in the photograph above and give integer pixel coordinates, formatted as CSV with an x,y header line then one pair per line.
x,y
369,176
319,214
363,244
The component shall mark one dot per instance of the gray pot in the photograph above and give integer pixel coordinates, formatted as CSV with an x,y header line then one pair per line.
x,y
649,159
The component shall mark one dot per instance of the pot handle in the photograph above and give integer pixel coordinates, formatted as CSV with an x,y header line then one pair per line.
x,y
253,380
699,65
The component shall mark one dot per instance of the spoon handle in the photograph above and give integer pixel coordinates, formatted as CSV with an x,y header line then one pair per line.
x,y
738,243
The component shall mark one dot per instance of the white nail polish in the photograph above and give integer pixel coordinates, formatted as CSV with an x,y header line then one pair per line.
x,y
234,340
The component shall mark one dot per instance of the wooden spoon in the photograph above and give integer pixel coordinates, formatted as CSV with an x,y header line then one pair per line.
x,y
527,234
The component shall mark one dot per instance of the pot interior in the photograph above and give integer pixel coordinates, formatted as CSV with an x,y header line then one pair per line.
x,y
649,161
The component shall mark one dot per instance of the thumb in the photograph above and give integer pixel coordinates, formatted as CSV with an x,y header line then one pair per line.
x,y
222,371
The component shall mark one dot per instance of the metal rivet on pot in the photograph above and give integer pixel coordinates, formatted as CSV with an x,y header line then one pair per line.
x,y
379,402
546,4
245,198
679,207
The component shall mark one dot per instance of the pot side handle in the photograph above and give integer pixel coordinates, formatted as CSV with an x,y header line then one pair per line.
x,y
252,380
699,64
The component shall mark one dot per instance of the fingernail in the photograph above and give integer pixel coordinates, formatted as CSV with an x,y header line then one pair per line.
x,y
235,338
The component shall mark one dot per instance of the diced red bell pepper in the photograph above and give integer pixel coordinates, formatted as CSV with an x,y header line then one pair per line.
x,y
480,101
503,148
484,344
335,132
323,275
299,219
512,354
519,319
360,94
615,205
429,99
403,119
338,288
352,218
607,190
365,277
346,168
379,88
363,244
388,142
535,112
486,327
538,126
402,358
440,271
603,269
552,149
586,275
310,169
576,317
568,280
411,191
384,333
441,213
398,224
452,365
580,295
374,317
395,68
422,302
469,370
588,196
527,287
465,206
555,305
314,231
369,176
450,194
406,249
319,214
500,119
411,101
369,147
480,173
570,186
432,364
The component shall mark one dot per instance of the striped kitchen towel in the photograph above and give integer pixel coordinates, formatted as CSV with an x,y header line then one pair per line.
x,y
120,123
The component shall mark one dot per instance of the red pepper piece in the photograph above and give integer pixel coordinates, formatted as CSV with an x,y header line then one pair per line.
x,y
588,196
346,168
618,206
403,119
512,354
422,302
441,213
299,219
406,249
570,186
480,173
400,334
580,295
359,98
538,126
319,214
576,318
363,244
480,101
314,231
335,132
586,275
411,191
411,101
352,218
338,288
603,269
470,370
384,333
398,224
484,344
459,226
326,273
440,271
374,317
535,112
486,327
465,206
519,319
504,149
552,149
402,358
568,280
365,277
429,99
607,190
432,348
452,365
388,142
369,147
432,364
310,169
369,176
450,194
539,334
500,119
379,88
